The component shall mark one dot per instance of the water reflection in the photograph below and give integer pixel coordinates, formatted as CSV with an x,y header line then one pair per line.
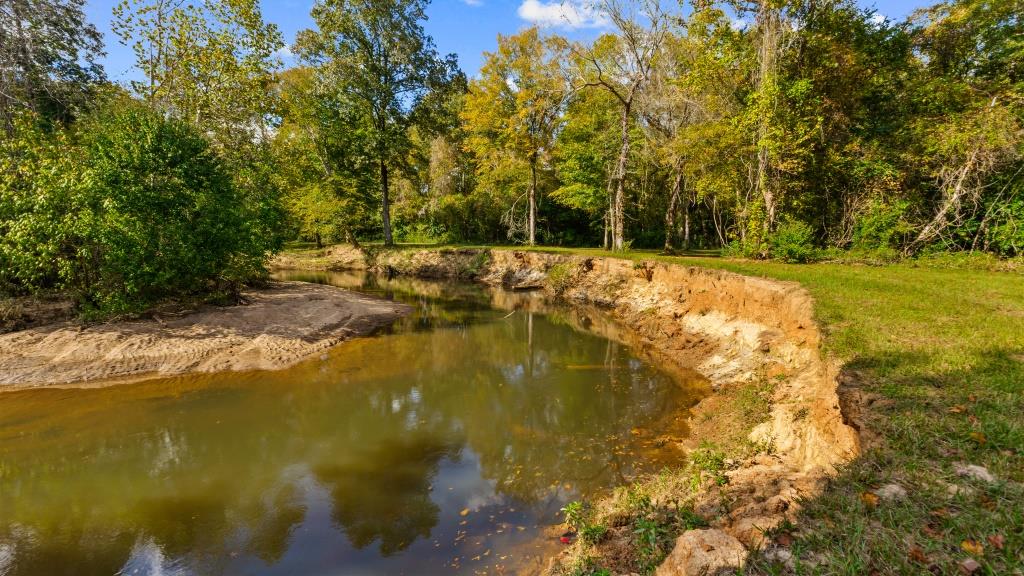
x,y
446,444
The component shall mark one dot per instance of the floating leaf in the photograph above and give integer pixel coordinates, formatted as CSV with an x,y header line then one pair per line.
x,y
465,512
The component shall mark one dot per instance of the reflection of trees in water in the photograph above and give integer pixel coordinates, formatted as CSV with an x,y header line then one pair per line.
x,y
218,470
384,493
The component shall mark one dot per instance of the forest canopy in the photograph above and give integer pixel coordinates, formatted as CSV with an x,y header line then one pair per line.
x,y
785,129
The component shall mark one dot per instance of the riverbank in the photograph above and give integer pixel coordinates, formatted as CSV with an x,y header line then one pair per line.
x,y
277,327
766,440
931,357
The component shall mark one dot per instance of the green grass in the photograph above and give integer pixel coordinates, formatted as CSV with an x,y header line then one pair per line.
x,y
939,352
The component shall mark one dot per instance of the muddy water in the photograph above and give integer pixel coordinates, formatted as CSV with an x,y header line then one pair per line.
x,y
445,445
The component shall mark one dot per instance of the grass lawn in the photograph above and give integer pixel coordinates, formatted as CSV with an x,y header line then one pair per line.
x,y
939,354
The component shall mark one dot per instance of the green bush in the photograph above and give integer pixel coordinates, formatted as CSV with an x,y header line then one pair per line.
x,y
880,229
129,209
793,241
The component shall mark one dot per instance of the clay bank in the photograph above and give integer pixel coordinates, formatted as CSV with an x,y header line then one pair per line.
x,y
739,332
276,328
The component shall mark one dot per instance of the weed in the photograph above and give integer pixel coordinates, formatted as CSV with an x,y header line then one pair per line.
x,y
560,278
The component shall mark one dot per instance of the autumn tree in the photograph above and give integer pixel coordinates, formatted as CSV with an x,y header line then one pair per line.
x,y
376,55
514,108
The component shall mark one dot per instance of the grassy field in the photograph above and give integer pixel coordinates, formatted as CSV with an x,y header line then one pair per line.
x,y
938,351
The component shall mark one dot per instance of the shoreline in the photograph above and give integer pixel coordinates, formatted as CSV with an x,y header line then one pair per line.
x,y
278,327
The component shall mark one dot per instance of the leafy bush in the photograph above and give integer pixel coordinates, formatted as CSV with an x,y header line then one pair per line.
x,y
133,209
880,229
793,241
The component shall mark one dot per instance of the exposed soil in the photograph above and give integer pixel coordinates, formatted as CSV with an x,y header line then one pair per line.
x,y
735,330
276,328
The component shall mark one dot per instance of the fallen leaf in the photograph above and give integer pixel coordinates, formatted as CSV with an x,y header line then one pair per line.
x,y
979,438
932,532
958,409
869,499
972,398
973,547
916,554
969,566
997,541
940,512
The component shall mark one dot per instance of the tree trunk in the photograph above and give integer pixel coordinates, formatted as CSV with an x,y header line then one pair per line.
x,y
769,26
670,213
532,224
686,224
618,233
319,240
385,204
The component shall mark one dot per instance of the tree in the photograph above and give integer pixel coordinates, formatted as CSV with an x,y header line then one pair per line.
x,y
211,64
622,63
515,106
376,55
48,58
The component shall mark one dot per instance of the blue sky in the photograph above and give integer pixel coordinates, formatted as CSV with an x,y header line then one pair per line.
x,y
465,27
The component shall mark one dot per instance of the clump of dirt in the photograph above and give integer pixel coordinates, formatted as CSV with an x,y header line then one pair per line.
x,y
740,332
277,328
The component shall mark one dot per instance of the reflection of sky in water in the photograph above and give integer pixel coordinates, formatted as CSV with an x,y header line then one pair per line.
x,y
446,446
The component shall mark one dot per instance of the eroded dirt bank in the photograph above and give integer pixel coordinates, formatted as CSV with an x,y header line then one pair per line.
x,y
277,328
736,330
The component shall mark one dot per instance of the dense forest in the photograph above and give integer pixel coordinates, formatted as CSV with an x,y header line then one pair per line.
x,y
792,129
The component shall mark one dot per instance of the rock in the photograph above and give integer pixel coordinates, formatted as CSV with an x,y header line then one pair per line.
x,y
703,553
974,472
891,492
782,556
750,529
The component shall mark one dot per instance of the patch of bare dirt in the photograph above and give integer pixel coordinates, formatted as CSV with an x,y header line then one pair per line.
x,y
277,328
332,258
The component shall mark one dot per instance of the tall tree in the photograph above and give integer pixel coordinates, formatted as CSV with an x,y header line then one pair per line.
x,y
48,58
515,106
622,64
376,54
210,64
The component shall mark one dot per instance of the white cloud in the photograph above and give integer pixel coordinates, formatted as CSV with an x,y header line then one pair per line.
x,y
738,24
570,14
878,19
473,2
284,53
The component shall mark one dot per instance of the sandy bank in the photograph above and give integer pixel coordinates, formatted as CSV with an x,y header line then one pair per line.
x,y
280,326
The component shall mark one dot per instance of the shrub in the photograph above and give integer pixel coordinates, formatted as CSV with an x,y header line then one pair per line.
x,y
793,241
136,208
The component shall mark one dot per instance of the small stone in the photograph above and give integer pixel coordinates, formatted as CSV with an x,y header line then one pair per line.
x,y
974,472
782,556
892,492
969,566
699,552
